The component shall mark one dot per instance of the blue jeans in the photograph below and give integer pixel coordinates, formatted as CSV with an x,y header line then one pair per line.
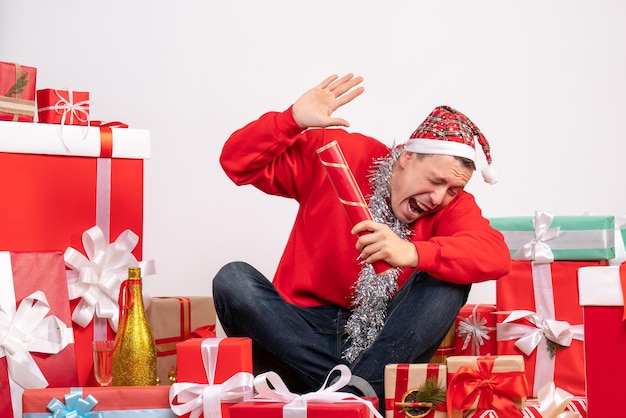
x,y
303,344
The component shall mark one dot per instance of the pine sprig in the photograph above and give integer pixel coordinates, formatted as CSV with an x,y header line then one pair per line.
x,y
552,347
18,87
431,392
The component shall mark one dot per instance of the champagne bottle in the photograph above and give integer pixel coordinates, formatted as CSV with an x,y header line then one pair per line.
x,y
134,358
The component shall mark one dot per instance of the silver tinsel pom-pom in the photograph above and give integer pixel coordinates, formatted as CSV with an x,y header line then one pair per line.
x,y
372,291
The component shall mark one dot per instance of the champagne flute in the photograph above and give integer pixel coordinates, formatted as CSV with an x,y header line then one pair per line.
x,y
103,361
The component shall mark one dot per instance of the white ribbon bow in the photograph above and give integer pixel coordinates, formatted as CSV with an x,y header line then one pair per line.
x,y
198,398
473,329
553,401
528,337
30,329
296,405
537,250
78,111
96,279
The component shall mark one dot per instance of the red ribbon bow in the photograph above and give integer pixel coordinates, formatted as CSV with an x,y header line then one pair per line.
x,y
493,390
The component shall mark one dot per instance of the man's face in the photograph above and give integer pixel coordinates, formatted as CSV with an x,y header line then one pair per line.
x,y
422,185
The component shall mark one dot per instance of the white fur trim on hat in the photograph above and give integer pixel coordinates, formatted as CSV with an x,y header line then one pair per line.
x,y
489,175
439,146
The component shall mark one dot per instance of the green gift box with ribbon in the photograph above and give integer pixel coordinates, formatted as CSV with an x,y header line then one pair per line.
x,y
545,238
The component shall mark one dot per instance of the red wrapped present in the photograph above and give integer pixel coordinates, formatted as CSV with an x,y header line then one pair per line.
x,y
402,385
476,330
112,401
17,92
553,402
173,319
65,188
230,355
540,295
64,107
487,382
544,322
602,295
36,339
213,374
274,400
446,348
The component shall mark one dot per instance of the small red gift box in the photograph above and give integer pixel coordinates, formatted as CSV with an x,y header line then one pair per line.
x,y
17,92
223,363
476,330
487,382
64,107
172,320
233,355
543,301
37,349
403,379
118,401
66,186
602,295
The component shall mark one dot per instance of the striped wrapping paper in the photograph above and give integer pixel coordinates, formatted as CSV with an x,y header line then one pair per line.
x,y
531,410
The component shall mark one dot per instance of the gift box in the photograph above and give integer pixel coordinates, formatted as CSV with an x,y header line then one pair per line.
x,y
64,107
36,339
544,322
540,294
66,185
274,400
568,237
486,382
476,330
213,374
446,348
232,355
17,92
172,320
403,382
262,409
559,406
602,298
103,402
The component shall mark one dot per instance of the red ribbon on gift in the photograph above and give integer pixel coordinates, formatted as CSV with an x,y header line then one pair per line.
x,y
402,387
347,189
492,390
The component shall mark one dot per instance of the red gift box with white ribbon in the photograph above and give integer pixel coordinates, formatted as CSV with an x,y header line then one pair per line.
x,y
476,330
64,107
61,185
275,400
213,374
602,295
36,339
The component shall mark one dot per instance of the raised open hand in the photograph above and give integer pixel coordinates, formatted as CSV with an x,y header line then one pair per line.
x,y
315,107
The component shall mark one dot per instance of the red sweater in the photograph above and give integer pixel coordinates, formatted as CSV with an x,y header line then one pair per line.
x,y
319,264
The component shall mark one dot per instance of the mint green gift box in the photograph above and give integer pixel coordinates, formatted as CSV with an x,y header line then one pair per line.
x,y
539,238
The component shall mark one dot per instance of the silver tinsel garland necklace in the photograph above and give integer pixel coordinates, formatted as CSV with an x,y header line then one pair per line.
x,y
372,291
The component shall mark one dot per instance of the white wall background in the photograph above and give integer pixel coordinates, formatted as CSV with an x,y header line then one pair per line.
x,y
544,80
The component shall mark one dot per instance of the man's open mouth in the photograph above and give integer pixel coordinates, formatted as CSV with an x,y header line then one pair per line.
x,y
416,207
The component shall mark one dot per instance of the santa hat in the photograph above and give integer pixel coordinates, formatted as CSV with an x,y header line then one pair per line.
x,y
448,131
